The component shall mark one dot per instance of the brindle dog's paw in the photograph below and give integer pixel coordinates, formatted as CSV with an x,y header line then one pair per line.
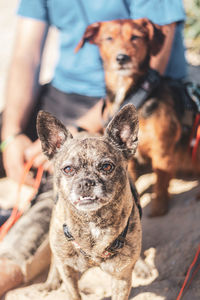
x,y
45,288
49,286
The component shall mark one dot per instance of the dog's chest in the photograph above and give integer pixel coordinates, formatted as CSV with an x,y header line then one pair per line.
x,y
96,232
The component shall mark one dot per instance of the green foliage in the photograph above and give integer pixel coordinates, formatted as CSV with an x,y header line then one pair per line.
x,y
192,26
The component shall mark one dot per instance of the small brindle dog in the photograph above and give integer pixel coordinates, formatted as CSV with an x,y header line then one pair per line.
x,y
125,47
96,219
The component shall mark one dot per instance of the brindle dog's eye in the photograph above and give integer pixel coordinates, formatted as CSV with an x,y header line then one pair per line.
x,y
134,37
68,170
107,167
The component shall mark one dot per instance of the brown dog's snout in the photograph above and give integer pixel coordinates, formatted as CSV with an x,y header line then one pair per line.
x,y
122,58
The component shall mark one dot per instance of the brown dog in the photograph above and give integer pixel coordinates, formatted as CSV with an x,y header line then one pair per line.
x,y
125,47
96,220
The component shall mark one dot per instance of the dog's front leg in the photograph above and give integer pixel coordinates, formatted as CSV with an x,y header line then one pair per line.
x,y
70,279
53,280
121,286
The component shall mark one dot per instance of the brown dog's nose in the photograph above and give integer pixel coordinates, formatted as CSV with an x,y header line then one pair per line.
x,y
122,58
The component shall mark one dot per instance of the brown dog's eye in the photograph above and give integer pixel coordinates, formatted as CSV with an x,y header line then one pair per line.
x,y
68,170
134,37
109,38
107,167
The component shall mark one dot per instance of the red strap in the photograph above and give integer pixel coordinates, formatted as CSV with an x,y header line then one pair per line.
x,y
196,122
194,151
16,212
186,282
195,137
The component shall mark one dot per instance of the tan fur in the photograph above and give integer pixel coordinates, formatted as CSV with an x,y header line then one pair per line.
x,y
160,131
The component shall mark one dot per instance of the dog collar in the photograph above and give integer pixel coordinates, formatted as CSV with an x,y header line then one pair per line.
x,y
109,251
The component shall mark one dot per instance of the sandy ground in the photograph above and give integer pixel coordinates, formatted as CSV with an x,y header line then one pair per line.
x,y
169,242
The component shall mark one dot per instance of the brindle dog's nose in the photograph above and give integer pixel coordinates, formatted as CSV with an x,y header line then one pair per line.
x,y
122,58
87,183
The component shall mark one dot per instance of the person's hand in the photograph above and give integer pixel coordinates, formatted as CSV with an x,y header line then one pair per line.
x,y
18,152
13,157
35,150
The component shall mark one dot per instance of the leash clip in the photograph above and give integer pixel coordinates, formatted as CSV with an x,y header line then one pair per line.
x,y
67,233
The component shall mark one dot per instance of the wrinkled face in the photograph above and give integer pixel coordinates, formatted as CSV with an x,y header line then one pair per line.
x,y
123,46
89,173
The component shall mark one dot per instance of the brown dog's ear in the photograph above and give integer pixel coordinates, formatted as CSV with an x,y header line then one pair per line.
x,y
89,35
51,132
155,35
122,131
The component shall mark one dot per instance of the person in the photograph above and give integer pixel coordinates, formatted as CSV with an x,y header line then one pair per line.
x,y
74,95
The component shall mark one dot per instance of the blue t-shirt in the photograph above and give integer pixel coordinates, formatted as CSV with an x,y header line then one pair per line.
x,y
82,72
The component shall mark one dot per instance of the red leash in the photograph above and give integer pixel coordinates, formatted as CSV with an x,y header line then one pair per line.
x,y
195,265
195,137
193,269
16,212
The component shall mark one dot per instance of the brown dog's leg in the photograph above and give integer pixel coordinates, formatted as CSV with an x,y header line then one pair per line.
x,y
160,200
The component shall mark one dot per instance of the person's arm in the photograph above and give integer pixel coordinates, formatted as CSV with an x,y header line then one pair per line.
x,y
21,90
160,61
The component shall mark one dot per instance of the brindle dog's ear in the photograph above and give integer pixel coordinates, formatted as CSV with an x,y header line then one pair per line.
x,y
89,35
155,35
122,131
51,132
